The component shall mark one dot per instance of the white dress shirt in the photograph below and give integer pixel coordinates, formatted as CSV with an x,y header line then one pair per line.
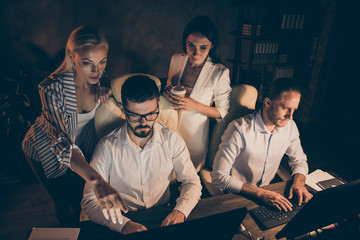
x,y
142,176
250,154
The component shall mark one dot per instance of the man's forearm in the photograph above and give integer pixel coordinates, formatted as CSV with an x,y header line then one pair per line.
x,y
299,179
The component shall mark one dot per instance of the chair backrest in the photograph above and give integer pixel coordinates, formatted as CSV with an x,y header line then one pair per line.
x,y
108,117
242,102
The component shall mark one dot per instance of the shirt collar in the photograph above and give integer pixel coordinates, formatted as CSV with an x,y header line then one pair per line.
x,y
259,125
124,136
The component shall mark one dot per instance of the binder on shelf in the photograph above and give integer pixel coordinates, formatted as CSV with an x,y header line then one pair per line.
x,y
283,72
264,51
248,28
292,21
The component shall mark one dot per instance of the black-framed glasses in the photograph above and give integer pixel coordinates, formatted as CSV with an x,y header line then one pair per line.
x,y
135,117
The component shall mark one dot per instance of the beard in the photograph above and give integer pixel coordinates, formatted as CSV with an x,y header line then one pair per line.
x,y
141,134
276,120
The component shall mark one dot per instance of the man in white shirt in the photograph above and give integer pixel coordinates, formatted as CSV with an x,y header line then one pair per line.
x,y
138,160
252,148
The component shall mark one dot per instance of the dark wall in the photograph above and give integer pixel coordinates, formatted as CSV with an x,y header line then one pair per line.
x,y
142,34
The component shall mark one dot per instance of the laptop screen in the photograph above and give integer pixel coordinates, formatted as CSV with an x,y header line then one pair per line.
x,y
326,207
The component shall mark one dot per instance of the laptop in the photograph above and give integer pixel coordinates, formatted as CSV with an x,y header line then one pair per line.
x,y
326,207
219,226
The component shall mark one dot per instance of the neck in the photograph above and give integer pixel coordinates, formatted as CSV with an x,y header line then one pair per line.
x,y
268,124
140,142
79,83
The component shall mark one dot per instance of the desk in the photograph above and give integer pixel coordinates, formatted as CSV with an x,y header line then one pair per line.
x,y
205,207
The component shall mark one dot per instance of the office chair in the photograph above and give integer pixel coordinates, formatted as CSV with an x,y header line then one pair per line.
x,y
242,102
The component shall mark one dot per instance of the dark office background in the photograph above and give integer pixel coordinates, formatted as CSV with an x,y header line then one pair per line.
x,y
142,36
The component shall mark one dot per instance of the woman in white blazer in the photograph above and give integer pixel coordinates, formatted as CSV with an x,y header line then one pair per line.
x,y
206,82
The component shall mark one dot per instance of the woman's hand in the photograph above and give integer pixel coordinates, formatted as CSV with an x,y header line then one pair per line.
x,y
180,103
102,93
110,200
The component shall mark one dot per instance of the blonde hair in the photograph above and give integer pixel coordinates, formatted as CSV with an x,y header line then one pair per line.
x,y
79,38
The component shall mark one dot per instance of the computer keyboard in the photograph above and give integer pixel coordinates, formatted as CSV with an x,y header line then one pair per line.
x,y
270,218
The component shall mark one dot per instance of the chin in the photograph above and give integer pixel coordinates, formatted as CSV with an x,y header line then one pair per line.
x,y
142,134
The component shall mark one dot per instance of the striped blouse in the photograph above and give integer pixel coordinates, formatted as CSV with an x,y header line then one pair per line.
x,y
52,137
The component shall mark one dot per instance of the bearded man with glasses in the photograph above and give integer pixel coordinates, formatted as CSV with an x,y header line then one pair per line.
x,y
138,160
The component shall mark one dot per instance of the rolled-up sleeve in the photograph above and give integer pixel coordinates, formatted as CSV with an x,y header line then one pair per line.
x,y
222,93
295,152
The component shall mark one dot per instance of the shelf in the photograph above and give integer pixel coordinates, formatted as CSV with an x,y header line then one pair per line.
x,y
257,37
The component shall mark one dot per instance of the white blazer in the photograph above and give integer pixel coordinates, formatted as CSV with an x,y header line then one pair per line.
x,y
212,86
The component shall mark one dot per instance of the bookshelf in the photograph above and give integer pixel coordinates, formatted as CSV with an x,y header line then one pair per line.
x,y
274,39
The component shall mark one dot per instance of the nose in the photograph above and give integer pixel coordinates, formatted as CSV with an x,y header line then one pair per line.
x,y
143,120
94,68
290,113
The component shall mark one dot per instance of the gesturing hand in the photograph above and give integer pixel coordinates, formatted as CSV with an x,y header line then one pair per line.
x,y
276,200
110,200
101,93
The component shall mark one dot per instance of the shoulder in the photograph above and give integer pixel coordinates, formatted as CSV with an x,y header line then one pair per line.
x,y
166,134
292,128
218,66
112,137
244,122
178,57
58,80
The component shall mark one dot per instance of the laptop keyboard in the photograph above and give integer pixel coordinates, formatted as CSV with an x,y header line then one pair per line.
x,y
270,218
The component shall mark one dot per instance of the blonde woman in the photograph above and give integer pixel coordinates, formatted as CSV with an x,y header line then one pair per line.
x,y
59,144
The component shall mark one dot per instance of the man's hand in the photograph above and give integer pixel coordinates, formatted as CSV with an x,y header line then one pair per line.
x,y
109,199
275,199
173,218
298,187
131,227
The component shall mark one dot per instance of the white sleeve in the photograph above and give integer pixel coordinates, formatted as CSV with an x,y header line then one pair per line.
x,y
222,94
186,174
230,147
101,162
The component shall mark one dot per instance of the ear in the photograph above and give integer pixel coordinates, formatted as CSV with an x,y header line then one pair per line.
x,y
267,102
121,107
71,55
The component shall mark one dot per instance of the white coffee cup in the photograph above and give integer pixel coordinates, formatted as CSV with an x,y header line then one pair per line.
x,y
179,91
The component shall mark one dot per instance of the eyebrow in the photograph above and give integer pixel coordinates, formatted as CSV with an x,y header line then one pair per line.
x,y
203,45
142,114
91,60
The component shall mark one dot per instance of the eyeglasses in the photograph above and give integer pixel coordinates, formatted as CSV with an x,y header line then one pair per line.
x,y
134,117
